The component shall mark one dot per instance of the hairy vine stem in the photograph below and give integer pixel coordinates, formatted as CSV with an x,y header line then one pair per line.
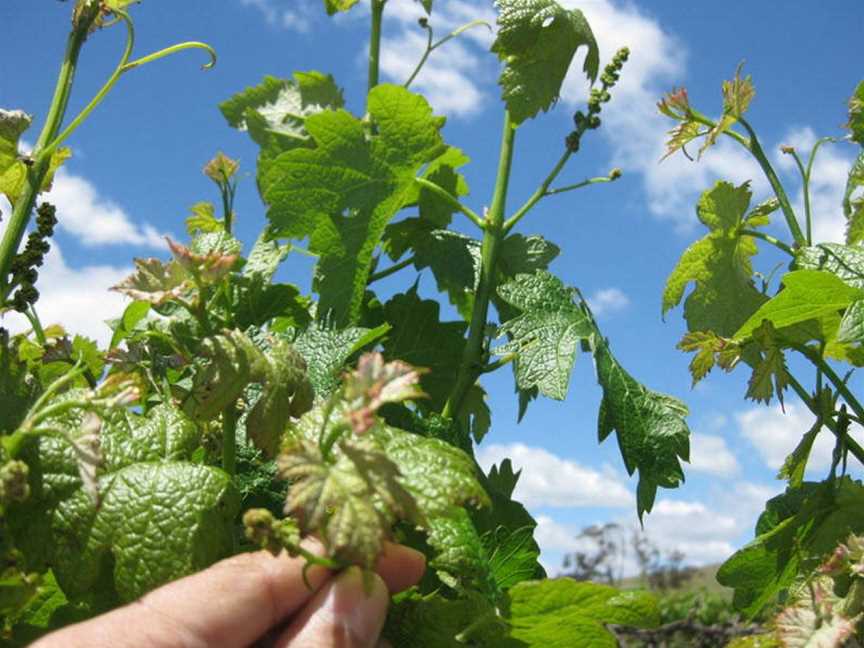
x,y
853,446
780,245
431,47
493,234
36,173
375,42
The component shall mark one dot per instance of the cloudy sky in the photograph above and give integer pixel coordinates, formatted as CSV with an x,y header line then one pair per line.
x,y
136,170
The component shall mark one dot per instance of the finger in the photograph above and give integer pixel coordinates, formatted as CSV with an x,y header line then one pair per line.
x,y
347,612
230,604
400,567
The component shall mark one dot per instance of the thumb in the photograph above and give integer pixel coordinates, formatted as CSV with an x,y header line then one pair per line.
x,y
348,612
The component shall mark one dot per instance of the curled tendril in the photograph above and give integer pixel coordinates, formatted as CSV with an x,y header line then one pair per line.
x,y
123,66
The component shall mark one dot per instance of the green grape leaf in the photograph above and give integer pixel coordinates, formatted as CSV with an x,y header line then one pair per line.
x,y
652,432
719,265
770,374
844,261
676,105
158,518
275,111
798,530
566,613
851,329
455,261
475,417
351,503
737,95
344,192
796,463
710,348
433,621
856,114
48,610
460,557
537,40
335,6
13,171
807,294
508,531
287,393
155,282
525,254
326,350
443,172
133,315
513,555
203,219
419,338
18,390
853,208
265,258
547,334
382,477
228,363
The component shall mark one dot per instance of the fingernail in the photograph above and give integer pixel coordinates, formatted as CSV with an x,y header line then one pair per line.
x,y
360,600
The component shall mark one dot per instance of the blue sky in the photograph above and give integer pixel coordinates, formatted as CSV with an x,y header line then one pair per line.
x,y
136,170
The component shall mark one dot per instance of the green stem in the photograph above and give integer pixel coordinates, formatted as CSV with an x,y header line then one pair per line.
x,y
501,362
430,47
791,220
229,440
36,173
396,267
769,239
828,371
375,42
585,183
805,184
38,331
122,68
451,200
851,444
539,193
472,357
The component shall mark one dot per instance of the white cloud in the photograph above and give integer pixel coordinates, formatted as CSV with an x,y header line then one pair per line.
x,y
704,535
553,536
94,219
608,301
710,454
775,434
549,480
446,78
77,298
455,74
292,19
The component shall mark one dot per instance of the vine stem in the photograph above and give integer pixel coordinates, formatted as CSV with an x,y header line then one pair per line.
x,y
539,193
791,220
769,239
431,47
755,148
493,234
830,374
229,440
451,200
36,173
853,445
375,42
396,267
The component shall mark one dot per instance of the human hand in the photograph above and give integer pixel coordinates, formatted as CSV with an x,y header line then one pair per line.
x,y
251,596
